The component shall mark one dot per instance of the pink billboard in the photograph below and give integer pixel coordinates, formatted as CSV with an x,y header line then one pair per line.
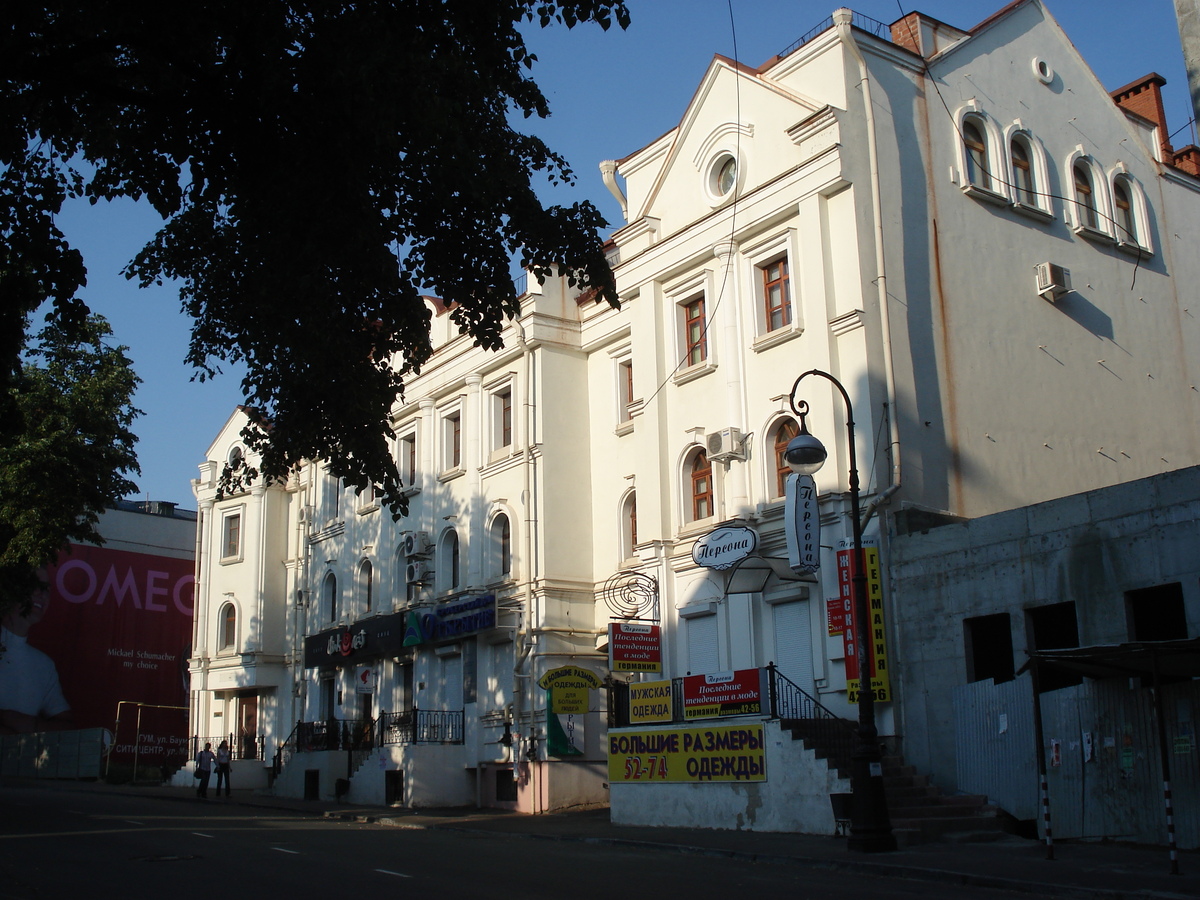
x,y
118,628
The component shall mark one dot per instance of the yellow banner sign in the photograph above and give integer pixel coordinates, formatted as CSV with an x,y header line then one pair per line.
x,y
650,701
687,755
570,689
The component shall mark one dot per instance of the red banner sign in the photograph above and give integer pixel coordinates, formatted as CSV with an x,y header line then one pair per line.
x,y
634,648
723,694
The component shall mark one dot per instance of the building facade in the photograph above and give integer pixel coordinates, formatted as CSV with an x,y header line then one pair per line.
x,y
983,245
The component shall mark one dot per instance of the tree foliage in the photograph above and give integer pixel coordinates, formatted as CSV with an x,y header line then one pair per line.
x,y
68,447
320,166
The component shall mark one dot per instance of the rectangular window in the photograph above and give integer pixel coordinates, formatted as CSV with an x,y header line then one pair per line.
x,y
502,419
625,386
695,332
406,458
1156,613
989,648
231,539
1053,627
777,294
453,441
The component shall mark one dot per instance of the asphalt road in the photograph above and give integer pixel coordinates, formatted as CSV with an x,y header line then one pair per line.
x,y
60,844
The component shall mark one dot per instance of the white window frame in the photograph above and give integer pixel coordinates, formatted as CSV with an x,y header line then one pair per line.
x,y
628,544
366,591
786,244
495,563
1102,230
446,416
680,296
626,404
1039,173
448,574
1139,243
996,170
234,512
229,647
686,506
409,464
496,392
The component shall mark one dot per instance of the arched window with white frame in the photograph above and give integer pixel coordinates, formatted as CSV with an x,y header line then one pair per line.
x,y
500,532
329,596
782,432
1028,173
699,487
1130,213
366,585
227,636
976,152
1089,197
448,570
629,536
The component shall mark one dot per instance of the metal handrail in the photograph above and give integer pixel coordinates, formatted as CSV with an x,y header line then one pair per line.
x,y
865,23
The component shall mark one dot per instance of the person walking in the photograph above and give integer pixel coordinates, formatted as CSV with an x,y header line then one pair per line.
x,y
223,758
204,766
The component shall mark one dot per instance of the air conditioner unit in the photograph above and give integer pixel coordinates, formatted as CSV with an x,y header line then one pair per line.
x,y
416,543
1052,281
725,444
417,571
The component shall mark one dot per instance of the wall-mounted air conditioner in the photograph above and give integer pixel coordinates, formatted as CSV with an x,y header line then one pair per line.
x,y
417,571
1052,281
417,543
727,443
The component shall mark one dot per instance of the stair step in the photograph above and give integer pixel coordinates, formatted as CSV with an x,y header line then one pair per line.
x,y
937,811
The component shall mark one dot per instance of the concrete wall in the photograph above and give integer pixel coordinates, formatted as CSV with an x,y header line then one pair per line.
x,y
794,798
1088,548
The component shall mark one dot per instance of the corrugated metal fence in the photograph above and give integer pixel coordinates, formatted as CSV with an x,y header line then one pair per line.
x,y
1103,764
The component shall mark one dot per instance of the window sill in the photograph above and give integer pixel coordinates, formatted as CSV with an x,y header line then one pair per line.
x,y
1033,212
623,428
230,560
696,526
693,372
368,509
987,195
782,335
451,474
1133,248
1093,234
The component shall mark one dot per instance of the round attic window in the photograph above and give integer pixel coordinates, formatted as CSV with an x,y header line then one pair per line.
x,y
725,173
1042,70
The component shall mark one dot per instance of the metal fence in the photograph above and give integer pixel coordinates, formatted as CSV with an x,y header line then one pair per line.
x,y
241,746
421,726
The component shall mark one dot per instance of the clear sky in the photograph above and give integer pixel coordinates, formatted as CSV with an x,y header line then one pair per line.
x,y
610,93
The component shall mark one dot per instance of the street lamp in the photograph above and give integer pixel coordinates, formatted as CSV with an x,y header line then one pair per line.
x,y
870,826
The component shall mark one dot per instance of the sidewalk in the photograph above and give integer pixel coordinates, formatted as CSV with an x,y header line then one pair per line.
x,y
1080,869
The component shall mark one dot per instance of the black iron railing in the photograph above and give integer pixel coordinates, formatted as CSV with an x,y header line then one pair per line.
x,y
241,746
422,726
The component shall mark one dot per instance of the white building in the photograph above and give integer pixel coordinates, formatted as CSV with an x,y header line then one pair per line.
x,y
877,203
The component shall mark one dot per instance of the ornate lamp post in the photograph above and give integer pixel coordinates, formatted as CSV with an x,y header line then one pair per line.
x,y
870,826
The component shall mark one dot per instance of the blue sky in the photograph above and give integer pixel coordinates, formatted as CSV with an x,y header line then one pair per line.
x,y
610,93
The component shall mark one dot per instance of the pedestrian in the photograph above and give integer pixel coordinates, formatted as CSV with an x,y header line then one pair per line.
x,y
204,767
223,758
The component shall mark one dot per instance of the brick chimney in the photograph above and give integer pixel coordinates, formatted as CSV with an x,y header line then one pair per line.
x,y
1144,98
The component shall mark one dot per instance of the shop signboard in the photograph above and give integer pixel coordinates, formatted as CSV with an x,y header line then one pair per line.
x,y
724,753
721,694
650,701
634,648
365,640
724,547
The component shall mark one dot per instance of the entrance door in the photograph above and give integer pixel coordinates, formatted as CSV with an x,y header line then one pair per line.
x,y
248,726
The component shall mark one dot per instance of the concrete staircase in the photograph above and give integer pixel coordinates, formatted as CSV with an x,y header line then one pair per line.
x,y
922,814
919,811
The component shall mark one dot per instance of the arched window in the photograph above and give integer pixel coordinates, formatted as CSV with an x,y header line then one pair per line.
x,y
1085,196
785,432
629,536
502,546
227,639
366,585
330,597
701,487
978,170
1123,206
1022,172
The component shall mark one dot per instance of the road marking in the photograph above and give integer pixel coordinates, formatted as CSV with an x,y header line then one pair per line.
x,y
285,850
390,872
201,834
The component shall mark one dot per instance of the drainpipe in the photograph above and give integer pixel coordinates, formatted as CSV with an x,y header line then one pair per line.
x,y
521,678
841,19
